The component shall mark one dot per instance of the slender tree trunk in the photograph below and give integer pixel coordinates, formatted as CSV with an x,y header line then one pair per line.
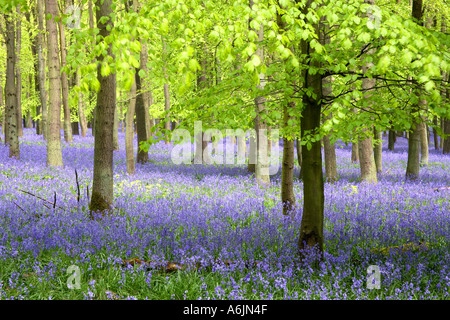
x,y
19,73
28,123
147,94
435,135
166,93
65,86
116,131
2,106
54,154
11,130
81,114
262,161
365,147
355,152
329,148
91,27
129,135
102,189
41,67
287,171
424,153
378,148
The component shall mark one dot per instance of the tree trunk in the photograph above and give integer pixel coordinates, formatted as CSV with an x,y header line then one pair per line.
x,y
102,189
19,73
435,135
366,152
355,152
391,141
287,170
262,161
54,154
129,135
41,67
116,130
299,153
11,130
424,153
166,93
311,229
81,114
147,94
413,165
65,86
329,148
378,148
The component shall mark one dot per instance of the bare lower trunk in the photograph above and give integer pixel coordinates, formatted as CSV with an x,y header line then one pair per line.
x,y
102,189
129,135
65,86
378,148
19,74
355,152
287,170
81,114
41,67
54,154
11,130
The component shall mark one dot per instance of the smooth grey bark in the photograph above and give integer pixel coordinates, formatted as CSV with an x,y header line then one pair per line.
x,y
81,114
19,73
11,130
65,85
377,150
129,133
41,67
54,154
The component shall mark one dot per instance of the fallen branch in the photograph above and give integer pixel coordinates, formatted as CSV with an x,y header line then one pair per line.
x,y
52,203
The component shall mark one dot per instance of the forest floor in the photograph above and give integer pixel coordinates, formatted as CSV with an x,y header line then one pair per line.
x,y
209,232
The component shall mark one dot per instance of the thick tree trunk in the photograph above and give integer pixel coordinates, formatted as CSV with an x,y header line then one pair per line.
x,y
41,67
413,165
65,86
412,168
129,134
54,154
11,130
102,189
391,141
311,229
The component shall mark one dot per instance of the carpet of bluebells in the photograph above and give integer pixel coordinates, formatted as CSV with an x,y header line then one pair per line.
x,y
203,216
